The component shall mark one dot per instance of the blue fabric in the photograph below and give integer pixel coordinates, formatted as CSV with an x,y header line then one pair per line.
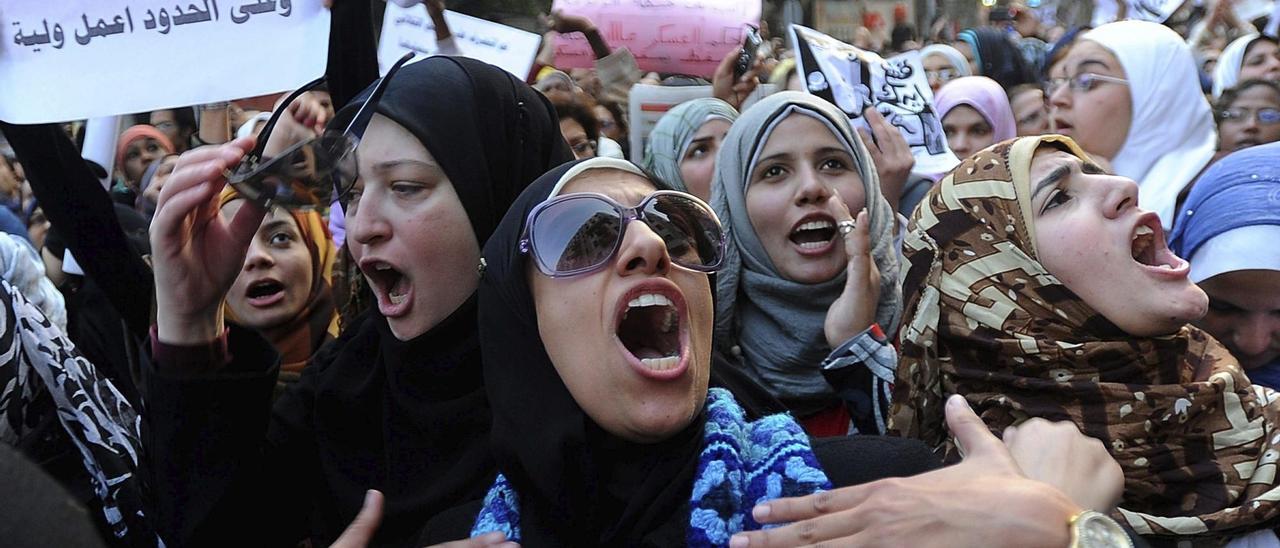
x,y
742,464
10,223
1242,189
1267,375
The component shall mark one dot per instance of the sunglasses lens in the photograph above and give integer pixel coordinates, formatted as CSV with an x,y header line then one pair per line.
x,y
304,176
575,234
690,230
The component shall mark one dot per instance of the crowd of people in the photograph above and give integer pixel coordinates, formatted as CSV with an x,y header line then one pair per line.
x,y
498,319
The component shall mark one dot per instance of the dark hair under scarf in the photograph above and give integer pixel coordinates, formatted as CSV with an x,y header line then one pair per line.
x,y
470,103
546,445
492,134
997,56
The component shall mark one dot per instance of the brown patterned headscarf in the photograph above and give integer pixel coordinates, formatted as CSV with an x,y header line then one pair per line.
x,y
1197,442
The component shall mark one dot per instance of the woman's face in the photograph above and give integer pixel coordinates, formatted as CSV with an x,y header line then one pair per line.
x,y
1029,112
161,175
609,127
1092,236
699,162
1098,118
138,155
276,278
939,71
967,51
167,123
1261,62
1244,313
1247,130
409,231
576,136
801,167
967,131
607,332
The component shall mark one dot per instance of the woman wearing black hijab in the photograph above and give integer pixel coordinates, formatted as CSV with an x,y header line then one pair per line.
x,y
598,376
397,402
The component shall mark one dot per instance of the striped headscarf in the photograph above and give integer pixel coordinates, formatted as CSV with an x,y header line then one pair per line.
x,y
986,320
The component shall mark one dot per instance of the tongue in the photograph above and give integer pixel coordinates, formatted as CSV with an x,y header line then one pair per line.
x,y
810,236
399,290
647,353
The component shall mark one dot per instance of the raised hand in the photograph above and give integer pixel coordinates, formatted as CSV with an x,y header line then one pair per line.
x,y
1058,454
855,309
196,253
890,153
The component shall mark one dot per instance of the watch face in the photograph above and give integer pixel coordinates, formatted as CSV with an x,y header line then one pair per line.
x,y
1099,531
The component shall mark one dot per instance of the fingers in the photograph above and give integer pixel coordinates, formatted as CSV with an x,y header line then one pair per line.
x,y
496,538
246,222
857,247
811,506
816,529
970,432
725,68
362,529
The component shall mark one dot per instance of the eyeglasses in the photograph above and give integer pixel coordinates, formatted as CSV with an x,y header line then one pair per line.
x,y
946,74
1265,116
309,174
583,147
1080,83
579,233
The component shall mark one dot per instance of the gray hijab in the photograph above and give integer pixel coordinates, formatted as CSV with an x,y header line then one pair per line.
x,y
773,324
673,134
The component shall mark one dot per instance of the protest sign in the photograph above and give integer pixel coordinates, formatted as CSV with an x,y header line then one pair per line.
x,y
75,59
1156,11
672,36
411,29
853,79
647,104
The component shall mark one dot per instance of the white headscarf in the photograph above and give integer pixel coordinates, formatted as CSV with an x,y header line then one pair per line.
x,y
1171,132
1227,72
952,55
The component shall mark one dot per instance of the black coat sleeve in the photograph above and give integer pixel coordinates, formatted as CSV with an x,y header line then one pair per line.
x,y
217,477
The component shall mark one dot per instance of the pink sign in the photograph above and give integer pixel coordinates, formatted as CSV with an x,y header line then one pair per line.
x,y
670,36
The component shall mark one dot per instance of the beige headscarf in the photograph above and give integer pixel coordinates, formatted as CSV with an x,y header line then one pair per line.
x,y
986,320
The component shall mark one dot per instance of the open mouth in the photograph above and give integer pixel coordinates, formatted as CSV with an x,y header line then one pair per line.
x,y
1061,126
814,233
389,284
264,293
1148,248
649,330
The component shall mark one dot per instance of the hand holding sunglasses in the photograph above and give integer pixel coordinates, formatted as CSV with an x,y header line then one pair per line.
x,y
579,233
312,173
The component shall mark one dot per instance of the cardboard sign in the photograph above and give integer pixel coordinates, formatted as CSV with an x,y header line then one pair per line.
x,y
668,36
411,29
853,79
75,59
647,104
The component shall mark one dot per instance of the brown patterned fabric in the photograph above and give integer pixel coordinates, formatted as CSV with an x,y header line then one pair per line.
x,y
1197,442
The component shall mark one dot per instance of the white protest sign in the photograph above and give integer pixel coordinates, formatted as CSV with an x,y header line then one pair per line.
x,y
1156,11
411,29
673,36
853,79
75,59
646,104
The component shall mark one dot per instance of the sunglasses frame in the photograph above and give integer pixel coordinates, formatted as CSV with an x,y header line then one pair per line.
x,y
528,246
252,168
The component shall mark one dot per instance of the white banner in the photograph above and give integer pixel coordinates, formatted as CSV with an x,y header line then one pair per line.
x,y
411,29
71,59
853,79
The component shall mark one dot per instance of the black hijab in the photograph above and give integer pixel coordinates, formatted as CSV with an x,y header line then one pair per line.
x,y
998,57
578,485
410,417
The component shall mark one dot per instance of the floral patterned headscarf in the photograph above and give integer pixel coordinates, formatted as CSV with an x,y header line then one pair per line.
x,y
984,318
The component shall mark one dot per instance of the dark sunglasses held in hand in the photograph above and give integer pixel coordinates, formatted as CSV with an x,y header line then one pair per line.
x,y
312,173
578,233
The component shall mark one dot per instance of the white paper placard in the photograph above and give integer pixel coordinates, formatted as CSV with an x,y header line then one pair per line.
x,y
853,79
72,59
411,29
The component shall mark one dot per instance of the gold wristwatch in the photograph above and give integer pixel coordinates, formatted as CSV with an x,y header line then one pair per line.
x,y
1091,529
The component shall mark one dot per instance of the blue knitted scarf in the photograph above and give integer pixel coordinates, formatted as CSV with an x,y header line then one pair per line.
x,y
742,464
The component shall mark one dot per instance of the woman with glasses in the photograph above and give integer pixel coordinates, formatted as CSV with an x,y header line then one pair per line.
x,y
1250,57
397,403
1248,115
975,114
613,424
1129,94
942,64
682,147
802,308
